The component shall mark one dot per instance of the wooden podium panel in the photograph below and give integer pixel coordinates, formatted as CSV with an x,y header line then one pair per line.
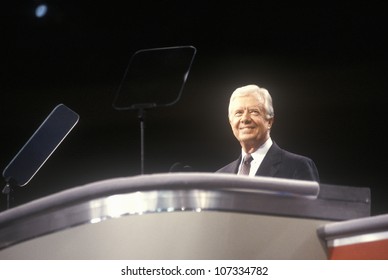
x,y
357,239
180,216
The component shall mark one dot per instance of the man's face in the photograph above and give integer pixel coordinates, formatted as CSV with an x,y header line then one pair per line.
x,y
248,120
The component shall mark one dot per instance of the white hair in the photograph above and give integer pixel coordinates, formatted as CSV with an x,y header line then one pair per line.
x,y
256,91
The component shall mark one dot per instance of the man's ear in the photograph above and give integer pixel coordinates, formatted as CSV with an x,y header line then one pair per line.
x,y
270,122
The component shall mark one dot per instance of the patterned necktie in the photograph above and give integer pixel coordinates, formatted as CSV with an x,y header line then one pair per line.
x,y
246,165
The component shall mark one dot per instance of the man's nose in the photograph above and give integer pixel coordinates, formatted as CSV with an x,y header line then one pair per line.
x,y
246,117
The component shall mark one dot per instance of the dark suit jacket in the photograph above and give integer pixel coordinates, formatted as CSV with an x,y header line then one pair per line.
x,y
281,164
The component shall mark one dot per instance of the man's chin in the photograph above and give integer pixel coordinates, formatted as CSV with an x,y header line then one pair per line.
x,y
247,137
248,140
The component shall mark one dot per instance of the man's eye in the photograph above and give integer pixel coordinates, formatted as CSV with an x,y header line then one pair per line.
x,y
238,114
255,112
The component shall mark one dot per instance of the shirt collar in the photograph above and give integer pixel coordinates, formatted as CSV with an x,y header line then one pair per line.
x,y
261,151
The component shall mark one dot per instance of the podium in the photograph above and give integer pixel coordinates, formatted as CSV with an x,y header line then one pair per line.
x,y
357,239
180,216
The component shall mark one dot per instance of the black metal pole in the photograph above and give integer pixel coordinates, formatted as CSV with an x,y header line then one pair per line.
x,y
7,190
141,116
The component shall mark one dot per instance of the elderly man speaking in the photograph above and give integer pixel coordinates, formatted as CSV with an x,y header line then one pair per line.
x,y
251,117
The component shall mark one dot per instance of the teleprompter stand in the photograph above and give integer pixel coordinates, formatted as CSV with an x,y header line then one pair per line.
x,y
154,78
7,191
38,149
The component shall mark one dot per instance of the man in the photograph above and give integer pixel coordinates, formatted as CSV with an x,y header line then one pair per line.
x,y
251,117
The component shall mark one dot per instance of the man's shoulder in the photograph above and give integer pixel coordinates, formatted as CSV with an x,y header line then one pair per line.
x,y
229,168
298,166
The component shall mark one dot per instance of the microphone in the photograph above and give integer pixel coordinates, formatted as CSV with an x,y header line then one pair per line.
x,y
179,167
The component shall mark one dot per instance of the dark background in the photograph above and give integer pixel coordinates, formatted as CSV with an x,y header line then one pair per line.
x,y
325,65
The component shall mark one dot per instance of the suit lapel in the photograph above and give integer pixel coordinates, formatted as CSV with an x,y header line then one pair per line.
x,y
234,166
270,164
